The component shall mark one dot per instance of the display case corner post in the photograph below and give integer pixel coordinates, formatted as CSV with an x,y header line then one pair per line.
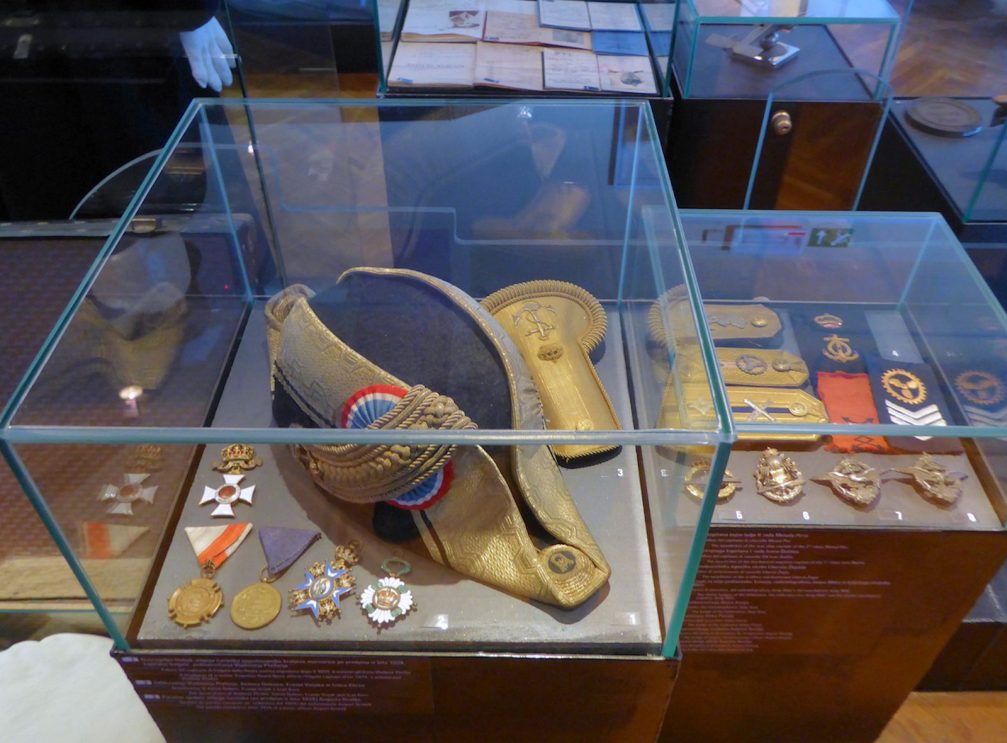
x,y
718,467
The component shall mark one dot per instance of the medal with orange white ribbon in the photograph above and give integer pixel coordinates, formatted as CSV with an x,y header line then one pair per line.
x,y
199,599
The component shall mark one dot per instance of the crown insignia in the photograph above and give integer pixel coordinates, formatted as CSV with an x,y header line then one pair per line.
x,y
237,458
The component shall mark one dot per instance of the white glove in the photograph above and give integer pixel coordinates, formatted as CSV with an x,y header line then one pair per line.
x,y
210,55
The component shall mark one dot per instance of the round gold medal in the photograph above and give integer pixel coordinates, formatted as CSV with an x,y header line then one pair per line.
x,y
195,602
256,606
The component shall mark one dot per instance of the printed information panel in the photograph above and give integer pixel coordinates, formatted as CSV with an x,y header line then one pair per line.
x,y
786,592
224,696
222,683
837,624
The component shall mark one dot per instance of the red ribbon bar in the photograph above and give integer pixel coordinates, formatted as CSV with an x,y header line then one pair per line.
x,y
848,399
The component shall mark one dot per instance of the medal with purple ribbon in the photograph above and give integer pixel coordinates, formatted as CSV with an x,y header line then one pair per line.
x,y
257,605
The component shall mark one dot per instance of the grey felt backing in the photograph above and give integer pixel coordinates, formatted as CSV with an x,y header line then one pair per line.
x,y
453,612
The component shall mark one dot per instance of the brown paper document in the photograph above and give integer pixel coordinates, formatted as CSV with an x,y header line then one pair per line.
x,y
519,28
509,66
445,23
626,74
570,70
433,65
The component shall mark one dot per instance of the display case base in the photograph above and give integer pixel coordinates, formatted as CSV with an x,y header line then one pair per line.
x,y
326,696
661,108
797,634
975,657
714,146
990,670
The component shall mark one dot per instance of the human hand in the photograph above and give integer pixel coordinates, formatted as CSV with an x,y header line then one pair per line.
x,y
210,55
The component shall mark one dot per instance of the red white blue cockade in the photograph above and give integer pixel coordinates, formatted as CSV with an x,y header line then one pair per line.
x,y
367,405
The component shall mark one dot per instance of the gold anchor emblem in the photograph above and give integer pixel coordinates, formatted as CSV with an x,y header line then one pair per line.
x,y
562,562
980,387
904,386
839,349
531,310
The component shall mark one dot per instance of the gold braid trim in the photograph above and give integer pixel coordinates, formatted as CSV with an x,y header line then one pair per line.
x,y
367,473
548,287
277,309
656,318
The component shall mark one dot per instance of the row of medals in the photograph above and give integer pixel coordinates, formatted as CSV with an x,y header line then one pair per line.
x,y
326,584
778,479
257,605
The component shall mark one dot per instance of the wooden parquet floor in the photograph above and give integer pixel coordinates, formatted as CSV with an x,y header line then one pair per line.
x,y
952,47
956,717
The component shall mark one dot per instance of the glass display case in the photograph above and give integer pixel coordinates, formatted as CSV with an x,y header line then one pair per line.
x,y
418,320
304,48
865,365
744,48
768,92
894,348
960,143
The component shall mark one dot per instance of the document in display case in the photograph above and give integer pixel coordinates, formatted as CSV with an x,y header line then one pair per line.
x,y
394,445
863,509
522,45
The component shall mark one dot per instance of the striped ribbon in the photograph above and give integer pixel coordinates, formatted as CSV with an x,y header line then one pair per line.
x,y
216,543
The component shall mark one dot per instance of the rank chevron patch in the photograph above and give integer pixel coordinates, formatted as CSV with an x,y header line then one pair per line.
x,y
910,394
984,417
927,416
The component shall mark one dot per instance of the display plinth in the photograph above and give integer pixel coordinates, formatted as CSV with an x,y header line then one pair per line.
x,y
973,658
412,316
836,650
859,353
625,622
958,176
737,68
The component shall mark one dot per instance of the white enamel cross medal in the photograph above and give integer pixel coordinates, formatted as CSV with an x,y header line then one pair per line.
x,y
226,495
127,494
389,599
